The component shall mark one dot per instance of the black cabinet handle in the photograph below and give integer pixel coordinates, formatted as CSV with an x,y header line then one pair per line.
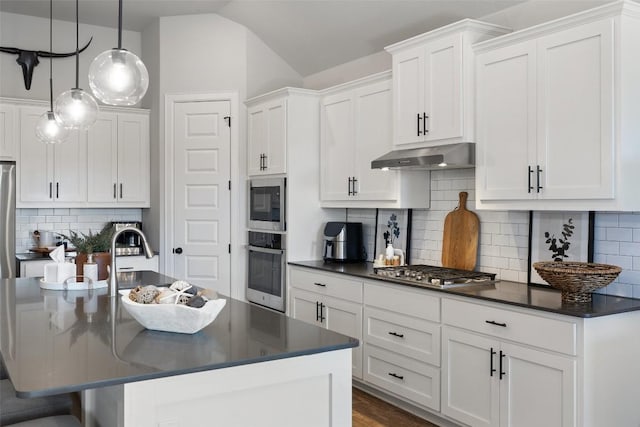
x,y
491,368
121,190
395,334
350,193
425,129
530,187
319,284
354,181
394,375
493,322
125,268
538,170
317,311
322,318
264,158
502,373
57,190
418,124
51,190
115,195
177,251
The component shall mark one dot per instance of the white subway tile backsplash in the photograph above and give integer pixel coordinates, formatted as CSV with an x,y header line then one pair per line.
x,y
607,219
607,247
62,220
627,248
619,234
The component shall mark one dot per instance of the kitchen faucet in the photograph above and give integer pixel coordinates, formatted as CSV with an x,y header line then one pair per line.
x,y
148,252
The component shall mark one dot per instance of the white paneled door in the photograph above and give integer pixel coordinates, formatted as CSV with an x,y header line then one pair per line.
x,y
201,164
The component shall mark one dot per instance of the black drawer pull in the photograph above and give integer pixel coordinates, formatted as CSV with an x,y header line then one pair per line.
x,y
493,322
320,284
395,334
394,375
502,373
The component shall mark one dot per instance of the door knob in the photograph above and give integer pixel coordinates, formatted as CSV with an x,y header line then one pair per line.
x,y
177,251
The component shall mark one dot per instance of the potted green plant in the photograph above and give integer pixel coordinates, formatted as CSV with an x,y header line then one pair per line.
x,y
97,244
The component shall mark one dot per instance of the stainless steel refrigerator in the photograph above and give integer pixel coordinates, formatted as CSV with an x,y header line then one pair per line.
x,y
7,220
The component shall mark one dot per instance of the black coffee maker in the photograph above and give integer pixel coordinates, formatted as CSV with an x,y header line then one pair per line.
x,y
343,242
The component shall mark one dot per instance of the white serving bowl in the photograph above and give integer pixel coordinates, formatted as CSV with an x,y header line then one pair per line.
x,y
172,317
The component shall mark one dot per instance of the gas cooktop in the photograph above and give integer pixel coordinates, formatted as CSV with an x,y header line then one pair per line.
x,y
432,276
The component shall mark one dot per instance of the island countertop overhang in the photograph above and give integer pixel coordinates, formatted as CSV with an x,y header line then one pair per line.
x,y
55,341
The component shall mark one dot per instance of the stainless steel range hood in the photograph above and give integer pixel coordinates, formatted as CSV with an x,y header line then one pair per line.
x,y
451,156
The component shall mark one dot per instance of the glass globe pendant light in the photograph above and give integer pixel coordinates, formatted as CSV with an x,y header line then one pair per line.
x,y
75,108
117,76
48,129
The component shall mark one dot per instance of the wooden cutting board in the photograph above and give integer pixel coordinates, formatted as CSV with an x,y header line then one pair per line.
x,y
460,237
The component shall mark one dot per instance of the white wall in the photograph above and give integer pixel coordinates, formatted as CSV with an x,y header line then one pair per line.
x,y
32,33
266,71
207,54
361,67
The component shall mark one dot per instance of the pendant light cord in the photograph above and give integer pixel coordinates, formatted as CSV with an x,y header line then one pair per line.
x,y
51,56
119,24
77,51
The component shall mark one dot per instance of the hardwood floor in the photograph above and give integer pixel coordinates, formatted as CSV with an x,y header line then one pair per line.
x,y
369,411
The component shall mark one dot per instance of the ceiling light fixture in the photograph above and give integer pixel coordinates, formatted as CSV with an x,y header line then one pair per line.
x,y
76,108
117,76
48,129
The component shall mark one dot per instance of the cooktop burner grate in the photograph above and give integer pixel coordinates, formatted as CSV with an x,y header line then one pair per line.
x,y
428,275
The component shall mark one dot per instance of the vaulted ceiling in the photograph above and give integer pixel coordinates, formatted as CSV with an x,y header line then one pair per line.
x,y
311,35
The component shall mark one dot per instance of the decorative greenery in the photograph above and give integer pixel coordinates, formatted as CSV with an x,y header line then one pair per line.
x,y
393,230
560,246
91,243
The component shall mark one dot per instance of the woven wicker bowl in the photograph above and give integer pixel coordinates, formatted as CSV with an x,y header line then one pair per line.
x,y
576,280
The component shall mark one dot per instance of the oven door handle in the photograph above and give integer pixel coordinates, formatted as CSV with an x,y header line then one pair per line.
x,y
265,250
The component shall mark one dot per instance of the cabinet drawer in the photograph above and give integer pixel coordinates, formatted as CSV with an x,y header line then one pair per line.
x,y
326,284
410,336
137,263
553,334
402,299
403,376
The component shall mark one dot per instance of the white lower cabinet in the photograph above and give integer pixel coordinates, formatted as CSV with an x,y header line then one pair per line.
x,y
330,301
402,343
490,382
137,263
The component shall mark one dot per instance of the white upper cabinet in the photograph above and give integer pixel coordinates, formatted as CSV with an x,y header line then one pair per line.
x,y
8,135
433,84
556,127
105,166
355,128
50,175
267,126
118,159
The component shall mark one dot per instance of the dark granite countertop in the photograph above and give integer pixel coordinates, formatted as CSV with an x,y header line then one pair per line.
x,y
55,341
534,297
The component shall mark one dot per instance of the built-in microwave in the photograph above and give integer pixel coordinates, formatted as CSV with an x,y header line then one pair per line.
x,y
267,198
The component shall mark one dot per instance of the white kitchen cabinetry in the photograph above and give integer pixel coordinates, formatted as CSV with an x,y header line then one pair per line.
x,y
275,120
402,343
137,263
50,175
433,84
267,137
355,128
33,268
554,114
8,134
493,377
118,160
331,301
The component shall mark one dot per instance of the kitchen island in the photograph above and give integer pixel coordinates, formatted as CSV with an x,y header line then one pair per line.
x,y
246,368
